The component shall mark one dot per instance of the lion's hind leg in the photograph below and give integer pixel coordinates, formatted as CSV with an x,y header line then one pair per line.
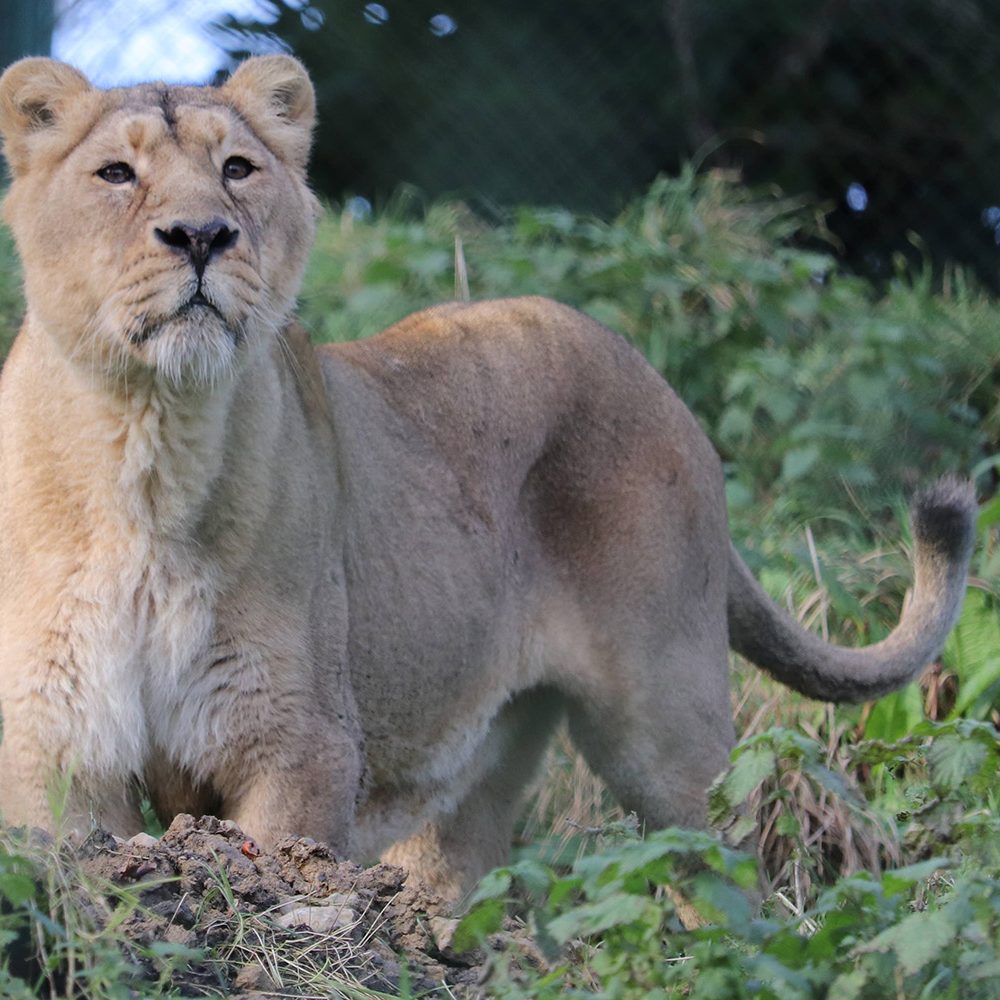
x,y
657,731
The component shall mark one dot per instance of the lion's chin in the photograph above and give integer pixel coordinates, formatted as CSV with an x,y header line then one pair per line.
x,y
195,345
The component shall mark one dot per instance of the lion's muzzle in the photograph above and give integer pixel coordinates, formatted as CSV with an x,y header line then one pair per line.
x,y
199,243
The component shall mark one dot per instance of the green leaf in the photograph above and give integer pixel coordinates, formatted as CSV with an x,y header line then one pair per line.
x,y
834,783
798,461
788,825
534,876
589,919
902,879
493,885
17,883
735,426
384,270
753,765
17,889
849,985
478,924
989,971
973,652
954,759
917,939
895,716
720,901
168,950
547,944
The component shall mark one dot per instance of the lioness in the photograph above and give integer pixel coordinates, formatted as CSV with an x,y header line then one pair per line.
x,y
346,592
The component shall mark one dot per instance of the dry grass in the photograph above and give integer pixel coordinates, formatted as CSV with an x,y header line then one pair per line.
x,y
276,962
570,807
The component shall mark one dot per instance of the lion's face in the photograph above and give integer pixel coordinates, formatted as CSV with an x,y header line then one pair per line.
x,y
161,228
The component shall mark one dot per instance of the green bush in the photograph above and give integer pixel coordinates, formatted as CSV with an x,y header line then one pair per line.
x,y
669,915
11,301
52,943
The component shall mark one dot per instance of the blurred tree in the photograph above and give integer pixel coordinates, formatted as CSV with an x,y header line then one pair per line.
x,y
27,29
465,95
884,111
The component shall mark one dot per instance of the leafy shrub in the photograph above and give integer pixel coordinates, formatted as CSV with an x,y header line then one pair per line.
x,y
670,915
11,303
61,932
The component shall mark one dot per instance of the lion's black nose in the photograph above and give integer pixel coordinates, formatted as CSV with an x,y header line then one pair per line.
x,y
198,243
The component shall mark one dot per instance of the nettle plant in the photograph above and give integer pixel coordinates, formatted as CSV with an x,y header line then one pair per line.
x,y
673,913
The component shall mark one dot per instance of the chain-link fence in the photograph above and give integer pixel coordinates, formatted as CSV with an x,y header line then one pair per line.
x,y
884,113
24,28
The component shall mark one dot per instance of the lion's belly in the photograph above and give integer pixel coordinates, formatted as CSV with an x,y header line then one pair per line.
x,y
427,735
417,779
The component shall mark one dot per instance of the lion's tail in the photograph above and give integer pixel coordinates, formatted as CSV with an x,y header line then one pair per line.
x,y
944,533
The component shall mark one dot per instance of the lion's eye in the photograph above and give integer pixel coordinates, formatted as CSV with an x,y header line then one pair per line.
x,y
116,173
236,168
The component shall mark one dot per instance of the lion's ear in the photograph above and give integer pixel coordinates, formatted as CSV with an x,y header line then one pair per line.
x,y
276,94
34,94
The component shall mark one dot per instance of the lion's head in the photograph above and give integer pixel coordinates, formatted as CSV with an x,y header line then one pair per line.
x,y
162,229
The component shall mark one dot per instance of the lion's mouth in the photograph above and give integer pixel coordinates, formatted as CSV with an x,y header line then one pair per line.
x,y
198,303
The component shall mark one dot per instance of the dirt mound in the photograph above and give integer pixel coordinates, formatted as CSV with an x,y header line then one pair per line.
x,y
231,920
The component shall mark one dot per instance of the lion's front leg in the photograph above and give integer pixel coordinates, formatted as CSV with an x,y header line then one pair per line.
x,y
45,780
73,732
29,775
285,758
302,787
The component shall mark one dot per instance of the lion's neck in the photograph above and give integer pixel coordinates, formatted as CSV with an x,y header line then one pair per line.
x,y
171,449
141,452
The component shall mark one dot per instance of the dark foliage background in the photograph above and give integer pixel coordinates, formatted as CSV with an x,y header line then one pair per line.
x,y
884,111
25,28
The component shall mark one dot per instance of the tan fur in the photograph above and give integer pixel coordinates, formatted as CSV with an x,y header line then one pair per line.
x,y
345,592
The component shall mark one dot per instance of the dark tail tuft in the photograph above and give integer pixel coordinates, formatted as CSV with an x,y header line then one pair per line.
x,y
944,530
944,517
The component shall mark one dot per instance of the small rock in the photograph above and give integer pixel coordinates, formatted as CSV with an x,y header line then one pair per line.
x,y
176,934
443,932
321,919
253,977
136,868
95,842
333,900
177,911
182,825
143,840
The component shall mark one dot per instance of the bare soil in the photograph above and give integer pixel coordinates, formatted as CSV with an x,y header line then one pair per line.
x,y
280,923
